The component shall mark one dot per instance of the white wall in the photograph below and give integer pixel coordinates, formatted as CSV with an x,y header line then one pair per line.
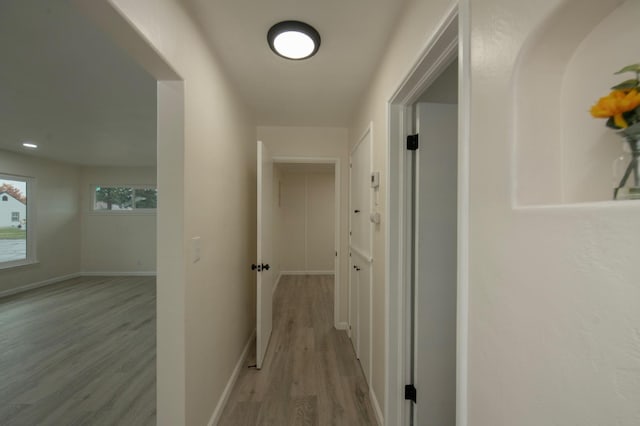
x,y
117,242
306,229
219,202
319,142
278,229
57,213
554,292
418,22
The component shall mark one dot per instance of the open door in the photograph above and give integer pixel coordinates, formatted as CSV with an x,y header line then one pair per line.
x,y
264,281
435,264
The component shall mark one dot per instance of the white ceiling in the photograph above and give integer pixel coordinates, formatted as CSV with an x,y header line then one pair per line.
x,y
66,86
321,91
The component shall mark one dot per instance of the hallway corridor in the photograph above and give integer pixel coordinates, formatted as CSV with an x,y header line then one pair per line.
x,y
310,375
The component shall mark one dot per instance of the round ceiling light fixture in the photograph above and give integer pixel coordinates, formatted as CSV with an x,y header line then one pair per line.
x,y
293,40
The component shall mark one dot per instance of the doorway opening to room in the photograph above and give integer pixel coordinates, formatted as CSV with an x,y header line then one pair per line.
x,y
104,133
426,234
298,230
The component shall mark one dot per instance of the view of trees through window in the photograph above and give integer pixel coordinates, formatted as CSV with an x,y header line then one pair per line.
x,y
125,198
13,219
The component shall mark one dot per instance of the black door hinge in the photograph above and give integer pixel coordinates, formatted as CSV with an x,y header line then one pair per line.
x,y
412,142
410,393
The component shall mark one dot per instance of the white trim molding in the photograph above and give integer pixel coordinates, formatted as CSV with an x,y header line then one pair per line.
x,y
119,274
38,284
307,273
448,42
376,406
342,325
55,280
275,286
222,402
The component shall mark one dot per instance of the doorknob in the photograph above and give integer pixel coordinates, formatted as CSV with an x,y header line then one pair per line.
x,y
265,267
356,211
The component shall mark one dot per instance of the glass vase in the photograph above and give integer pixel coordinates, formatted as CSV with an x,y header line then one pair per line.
x,y
626,172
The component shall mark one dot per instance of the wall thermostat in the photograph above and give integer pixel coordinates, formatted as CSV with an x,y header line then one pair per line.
x,y
375,179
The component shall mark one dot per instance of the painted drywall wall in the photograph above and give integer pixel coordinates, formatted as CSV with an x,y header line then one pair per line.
x,y
319,142
121,241
554,292
306,207
57,213
417,24
278,229
219,207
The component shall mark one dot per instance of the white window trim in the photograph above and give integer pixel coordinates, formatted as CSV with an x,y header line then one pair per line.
x,y
132,212
32,227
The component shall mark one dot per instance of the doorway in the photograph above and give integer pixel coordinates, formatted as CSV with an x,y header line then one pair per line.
x,y
298,229
427,235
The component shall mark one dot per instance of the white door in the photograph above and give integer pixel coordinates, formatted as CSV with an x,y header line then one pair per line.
x,y
264,279
360,250
435,264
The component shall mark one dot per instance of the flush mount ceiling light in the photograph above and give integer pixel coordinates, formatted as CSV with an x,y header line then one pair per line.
x,y
29,145
293,40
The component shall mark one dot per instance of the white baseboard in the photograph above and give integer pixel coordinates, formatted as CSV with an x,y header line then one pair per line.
x,y
119,274
342,325
376,406
275,286
56,280
307,272
39,284
222,402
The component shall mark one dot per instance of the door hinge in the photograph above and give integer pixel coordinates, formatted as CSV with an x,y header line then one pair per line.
x,y
412,142
410,393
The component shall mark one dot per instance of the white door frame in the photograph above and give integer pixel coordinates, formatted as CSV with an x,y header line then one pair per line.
x,y
451,40
336,166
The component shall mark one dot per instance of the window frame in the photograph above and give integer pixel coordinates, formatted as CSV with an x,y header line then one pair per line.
x,y
31,241
132,211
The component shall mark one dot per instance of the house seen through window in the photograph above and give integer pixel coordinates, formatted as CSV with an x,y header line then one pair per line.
x,y
14,232
124,198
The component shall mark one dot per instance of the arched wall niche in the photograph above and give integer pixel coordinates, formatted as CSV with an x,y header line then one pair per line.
x,y
563,155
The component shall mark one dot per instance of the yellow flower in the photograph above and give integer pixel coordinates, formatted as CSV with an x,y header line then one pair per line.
x,y
615,104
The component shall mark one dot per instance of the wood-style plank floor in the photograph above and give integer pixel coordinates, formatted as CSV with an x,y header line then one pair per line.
x,y
82,352
310,375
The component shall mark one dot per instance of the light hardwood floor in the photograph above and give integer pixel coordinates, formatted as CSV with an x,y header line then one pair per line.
x,y
82,352
310,375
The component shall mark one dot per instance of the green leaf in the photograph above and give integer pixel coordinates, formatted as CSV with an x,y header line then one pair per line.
x,y
611,124
629,84
629,68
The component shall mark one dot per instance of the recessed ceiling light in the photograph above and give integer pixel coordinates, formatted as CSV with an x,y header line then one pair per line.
x,y
293,40
29,145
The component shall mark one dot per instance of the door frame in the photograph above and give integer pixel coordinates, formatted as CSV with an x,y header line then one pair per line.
x,y
336,236
451,40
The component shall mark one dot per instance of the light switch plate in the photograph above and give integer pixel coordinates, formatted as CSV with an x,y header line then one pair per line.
x,y
195,249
